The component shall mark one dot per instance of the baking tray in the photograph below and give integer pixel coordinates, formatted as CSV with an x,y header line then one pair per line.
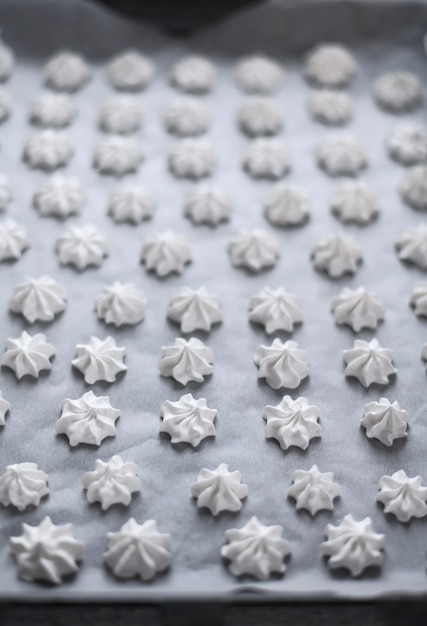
x,y
382,37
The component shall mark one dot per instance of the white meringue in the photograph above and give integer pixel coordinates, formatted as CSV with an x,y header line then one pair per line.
x,y
292,422
60,197
286,205
341,155
121,304
187,360
130,71
7,61
266,158
99,360
131,204
412,246
89,419
5,105
369,362
398,91
165,253
402,496
419,299
28,355
282,364
407,143
195,309
206,205
336,255
187,118
188,420
66,71
48,150
313,490
358,308
5,193
385,421
260,116
22,485
120,114
256,549
82,246
259,74
111,483
355,202
413,187
219,490
38,299
353,545
331,65
54,110
117,155
193,74
4,408
46,552
254,250
138,550
191,158
330,107
275,309
13,240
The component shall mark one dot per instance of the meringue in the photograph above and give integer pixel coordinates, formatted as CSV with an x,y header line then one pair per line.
x,y
82,246
407,143
46,552
117,155
313,490
413,187
275,309
120,114
412,246
355,202
52,110
292,422
369,363
165,253
60,197
353,545
282,364
7,61
48,150
286,205
357,308
254,250
4,408
331,65
330,107
111,483
385,421
398,91
13,240
191,158
121,304
5,105
419,299
341,155
259,116
256,549
195,309
130,71
138,550
206,205
188,420
22,485
266,158
5,193
99,360
131,204
187,360
28,355
66,71
187,117
336,255
219,490
259,74
38,299
193,74
89,419
402,496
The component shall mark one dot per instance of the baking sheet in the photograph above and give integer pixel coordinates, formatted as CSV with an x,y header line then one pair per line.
x,y
37,29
